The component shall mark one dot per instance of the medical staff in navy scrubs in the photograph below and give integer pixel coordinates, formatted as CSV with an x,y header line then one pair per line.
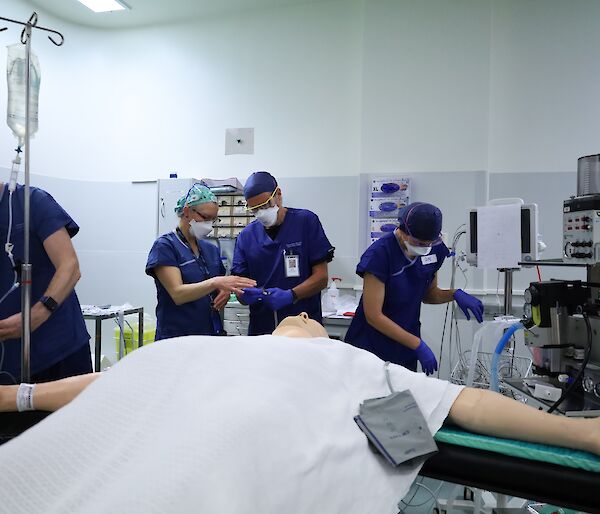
x,y
286,251
188,272
59,339
400,273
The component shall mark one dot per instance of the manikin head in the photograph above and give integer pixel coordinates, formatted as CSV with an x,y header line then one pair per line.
x,y
300,326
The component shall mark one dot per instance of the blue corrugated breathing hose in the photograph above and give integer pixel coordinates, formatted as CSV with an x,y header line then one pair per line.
x,y
499,348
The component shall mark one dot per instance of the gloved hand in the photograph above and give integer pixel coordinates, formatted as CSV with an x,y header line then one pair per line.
x,y
469,303
426,358
278,298
251,295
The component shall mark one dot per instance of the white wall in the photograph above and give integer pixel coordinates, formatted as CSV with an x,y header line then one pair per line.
x,y
425,86
333,89
137,104
545,84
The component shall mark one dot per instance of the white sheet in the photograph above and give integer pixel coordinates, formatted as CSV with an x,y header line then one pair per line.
x,y
218,425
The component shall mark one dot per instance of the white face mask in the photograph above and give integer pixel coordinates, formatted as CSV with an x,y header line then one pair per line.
x,y
416,251
268,217
200,229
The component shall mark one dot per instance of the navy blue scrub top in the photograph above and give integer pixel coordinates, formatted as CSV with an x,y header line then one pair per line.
x,y
64,331
261,258
405,288
191,318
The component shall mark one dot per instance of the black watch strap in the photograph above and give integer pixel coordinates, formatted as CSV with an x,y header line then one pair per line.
x,y
294,296
49,303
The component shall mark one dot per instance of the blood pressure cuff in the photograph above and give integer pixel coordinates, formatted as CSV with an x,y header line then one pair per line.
x,y
396,428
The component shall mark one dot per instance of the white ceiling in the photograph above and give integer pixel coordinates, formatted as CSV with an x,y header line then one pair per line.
x,y
152,12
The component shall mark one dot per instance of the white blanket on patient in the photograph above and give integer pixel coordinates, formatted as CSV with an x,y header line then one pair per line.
x,y
259,425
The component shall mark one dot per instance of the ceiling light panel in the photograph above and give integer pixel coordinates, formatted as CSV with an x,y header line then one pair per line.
x,y
105,5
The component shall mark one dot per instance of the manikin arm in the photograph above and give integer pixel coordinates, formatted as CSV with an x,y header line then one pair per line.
x,y
489,413
48,396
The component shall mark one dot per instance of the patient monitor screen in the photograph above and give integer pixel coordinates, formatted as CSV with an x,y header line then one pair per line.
x,y
525,230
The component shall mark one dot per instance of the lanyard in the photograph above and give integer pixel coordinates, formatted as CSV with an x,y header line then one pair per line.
x,y
200,258
214,315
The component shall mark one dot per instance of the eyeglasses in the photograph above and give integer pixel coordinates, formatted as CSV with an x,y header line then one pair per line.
x,y
265,205
204,218
419,242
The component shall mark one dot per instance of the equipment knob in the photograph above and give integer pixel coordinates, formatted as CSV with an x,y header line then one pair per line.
x,y
532,295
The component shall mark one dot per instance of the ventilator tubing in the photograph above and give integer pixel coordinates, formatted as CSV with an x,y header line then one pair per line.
x,y
499,348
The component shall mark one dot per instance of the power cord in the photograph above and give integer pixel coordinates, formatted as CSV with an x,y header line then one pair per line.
x,y
460,231
433,495
581,370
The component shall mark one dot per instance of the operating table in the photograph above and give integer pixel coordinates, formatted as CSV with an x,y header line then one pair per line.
x,y
559,485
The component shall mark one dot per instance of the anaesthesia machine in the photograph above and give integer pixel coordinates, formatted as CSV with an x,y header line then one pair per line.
x,y
565,314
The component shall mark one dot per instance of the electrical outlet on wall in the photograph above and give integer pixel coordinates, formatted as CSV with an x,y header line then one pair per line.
x,y
239,141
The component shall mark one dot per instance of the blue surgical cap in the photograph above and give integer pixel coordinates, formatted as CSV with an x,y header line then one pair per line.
x,y
421,220
259,182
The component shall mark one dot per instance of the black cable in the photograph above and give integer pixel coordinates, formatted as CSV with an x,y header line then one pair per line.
x,y
456,238
581,370
442,343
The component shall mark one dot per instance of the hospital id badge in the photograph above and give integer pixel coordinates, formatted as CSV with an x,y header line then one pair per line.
x,y
292,266
429,259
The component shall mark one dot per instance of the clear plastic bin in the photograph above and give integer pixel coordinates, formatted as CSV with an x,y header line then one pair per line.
x,y
509,367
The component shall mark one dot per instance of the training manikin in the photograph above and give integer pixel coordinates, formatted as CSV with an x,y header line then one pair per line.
x,y
254,424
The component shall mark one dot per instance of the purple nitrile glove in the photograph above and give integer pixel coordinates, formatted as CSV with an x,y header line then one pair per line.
x,y
251,295
426,358
469,303
277,298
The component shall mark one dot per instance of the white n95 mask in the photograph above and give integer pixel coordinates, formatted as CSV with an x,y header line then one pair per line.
x,y
200,229
416,251
267,217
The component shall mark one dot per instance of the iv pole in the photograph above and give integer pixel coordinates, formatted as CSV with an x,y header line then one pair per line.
x,y
26,267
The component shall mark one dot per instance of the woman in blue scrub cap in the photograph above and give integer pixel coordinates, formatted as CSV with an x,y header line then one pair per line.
x,y
188,272
400,273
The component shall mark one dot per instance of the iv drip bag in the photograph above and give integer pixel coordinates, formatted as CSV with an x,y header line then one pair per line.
x,y
17,85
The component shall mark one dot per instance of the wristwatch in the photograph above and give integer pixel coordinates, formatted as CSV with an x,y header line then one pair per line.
x,y
49,303
294,296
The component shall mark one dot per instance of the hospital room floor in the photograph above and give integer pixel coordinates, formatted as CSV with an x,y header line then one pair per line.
x,y
420,498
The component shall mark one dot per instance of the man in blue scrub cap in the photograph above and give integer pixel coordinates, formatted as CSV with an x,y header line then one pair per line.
x,y
59,339
286,251
400,273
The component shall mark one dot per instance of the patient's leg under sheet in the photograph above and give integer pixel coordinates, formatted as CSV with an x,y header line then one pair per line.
x,y
199,424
